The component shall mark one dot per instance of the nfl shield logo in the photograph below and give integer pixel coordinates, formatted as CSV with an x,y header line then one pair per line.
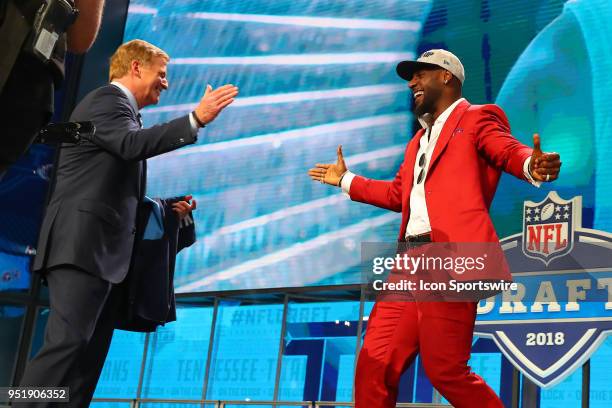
x,y
548,227
560,312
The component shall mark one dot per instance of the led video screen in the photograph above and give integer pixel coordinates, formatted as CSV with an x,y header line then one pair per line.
x,y
317,74
312,75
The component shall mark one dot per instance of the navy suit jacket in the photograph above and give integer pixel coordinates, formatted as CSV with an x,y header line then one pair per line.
x,y
149,299
91,219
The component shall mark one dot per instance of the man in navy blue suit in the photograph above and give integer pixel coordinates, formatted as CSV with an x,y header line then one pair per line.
x,y
90,230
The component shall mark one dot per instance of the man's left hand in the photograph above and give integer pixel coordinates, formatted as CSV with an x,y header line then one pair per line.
x,y
543,166
184,207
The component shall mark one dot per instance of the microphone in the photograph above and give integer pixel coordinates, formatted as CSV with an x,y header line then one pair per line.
x,y
69,132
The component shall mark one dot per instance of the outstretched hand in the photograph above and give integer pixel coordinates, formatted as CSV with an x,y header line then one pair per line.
x,y
329,173
214,101
543,166
184,207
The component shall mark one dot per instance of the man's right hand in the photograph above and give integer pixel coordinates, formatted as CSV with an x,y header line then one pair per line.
x,y
213,102
184,206
543,166
329,173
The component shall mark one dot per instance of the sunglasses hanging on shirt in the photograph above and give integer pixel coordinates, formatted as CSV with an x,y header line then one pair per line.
x,y
422,161
423,158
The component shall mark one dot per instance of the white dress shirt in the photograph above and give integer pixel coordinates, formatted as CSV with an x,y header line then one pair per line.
x,y
418,223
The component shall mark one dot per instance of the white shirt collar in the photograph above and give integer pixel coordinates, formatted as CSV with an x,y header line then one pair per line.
x,y
443,116
127,93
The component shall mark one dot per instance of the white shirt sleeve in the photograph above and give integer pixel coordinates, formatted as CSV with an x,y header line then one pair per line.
x,y
527,174
346,182
194,124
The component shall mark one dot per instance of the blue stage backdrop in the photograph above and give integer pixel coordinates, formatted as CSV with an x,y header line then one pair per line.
x,y
312,75
316,74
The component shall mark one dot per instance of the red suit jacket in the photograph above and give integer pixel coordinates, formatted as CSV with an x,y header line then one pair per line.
x,y
474,146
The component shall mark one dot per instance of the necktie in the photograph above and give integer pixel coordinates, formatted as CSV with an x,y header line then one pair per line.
x,y
143,165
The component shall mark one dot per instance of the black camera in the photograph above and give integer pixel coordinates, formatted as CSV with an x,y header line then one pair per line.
x,y
69,132
52,20
31,27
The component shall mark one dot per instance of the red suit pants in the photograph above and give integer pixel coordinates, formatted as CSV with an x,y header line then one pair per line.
x,y
441,332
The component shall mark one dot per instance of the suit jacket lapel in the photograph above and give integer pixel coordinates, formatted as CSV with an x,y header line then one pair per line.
x,y
143,179
142,165
447,132
141,182
412,152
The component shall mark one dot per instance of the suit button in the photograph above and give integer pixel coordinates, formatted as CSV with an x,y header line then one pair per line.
x,y
134,231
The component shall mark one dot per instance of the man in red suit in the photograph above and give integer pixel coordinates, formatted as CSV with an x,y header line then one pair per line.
x,y
443,189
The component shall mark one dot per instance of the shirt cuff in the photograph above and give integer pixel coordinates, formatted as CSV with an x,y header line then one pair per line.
x,y
347,179
194,124
528,175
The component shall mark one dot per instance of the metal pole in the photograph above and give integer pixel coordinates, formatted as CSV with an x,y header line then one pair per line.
x,y
530,394
359,329
210,347
27,328
586,384
142,366
281,348
516,387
